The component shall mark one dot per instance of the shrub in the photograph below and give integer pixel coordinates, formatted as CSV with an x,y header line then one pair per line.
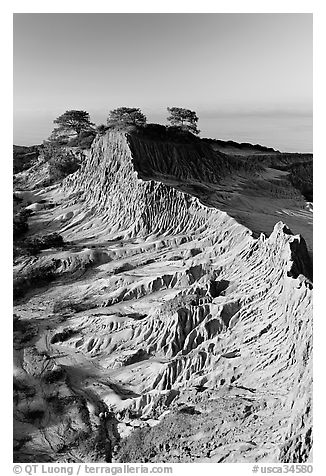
x,y
84,140
24,157
62,164
101,129
62,336
34,277
37,243
52,376
20,223
64,306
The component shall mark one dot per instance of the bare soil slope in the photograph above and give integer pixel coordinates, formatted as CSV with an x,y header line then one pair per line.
x,y
168,330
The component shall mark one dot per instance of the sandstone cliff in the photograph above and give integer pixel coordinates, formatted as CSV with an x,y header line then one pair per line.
x,y
180,310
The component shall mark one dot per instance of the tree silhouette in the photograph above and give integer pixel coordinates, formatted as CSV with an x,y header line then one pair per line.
x,y
72,121
125,116
183,118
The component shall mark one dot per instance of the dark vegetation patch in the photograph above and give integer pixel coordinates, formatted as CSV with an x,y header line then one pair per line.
x,y
24,330
19,444
84,140
62,162
55,375
38,243
33,415
62,405
300,171
282,160
24,157
67,306
298,166
55,152
34,277
21,387
189,410
20,223
301,177
239,145
166,133
32,246
157,132
64,335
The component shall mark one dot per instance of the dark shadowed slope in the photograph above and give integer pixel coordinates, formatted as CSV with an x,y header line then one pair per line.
x,y
257,191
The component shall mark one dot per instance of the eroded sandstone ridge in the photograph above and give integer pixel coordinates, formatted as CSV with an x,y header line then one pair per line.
x,y
169,330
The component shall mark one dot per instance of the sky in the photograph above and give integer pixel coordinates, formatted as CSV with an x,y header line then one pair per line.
x,y
248,76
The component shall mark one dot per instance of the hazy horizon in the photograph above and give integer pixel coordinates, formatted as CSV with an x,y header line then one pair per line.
x,y
248,76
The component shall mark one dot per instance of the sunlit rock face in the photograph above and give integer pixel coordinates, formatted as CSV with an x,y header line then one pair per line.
x,y
178,323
